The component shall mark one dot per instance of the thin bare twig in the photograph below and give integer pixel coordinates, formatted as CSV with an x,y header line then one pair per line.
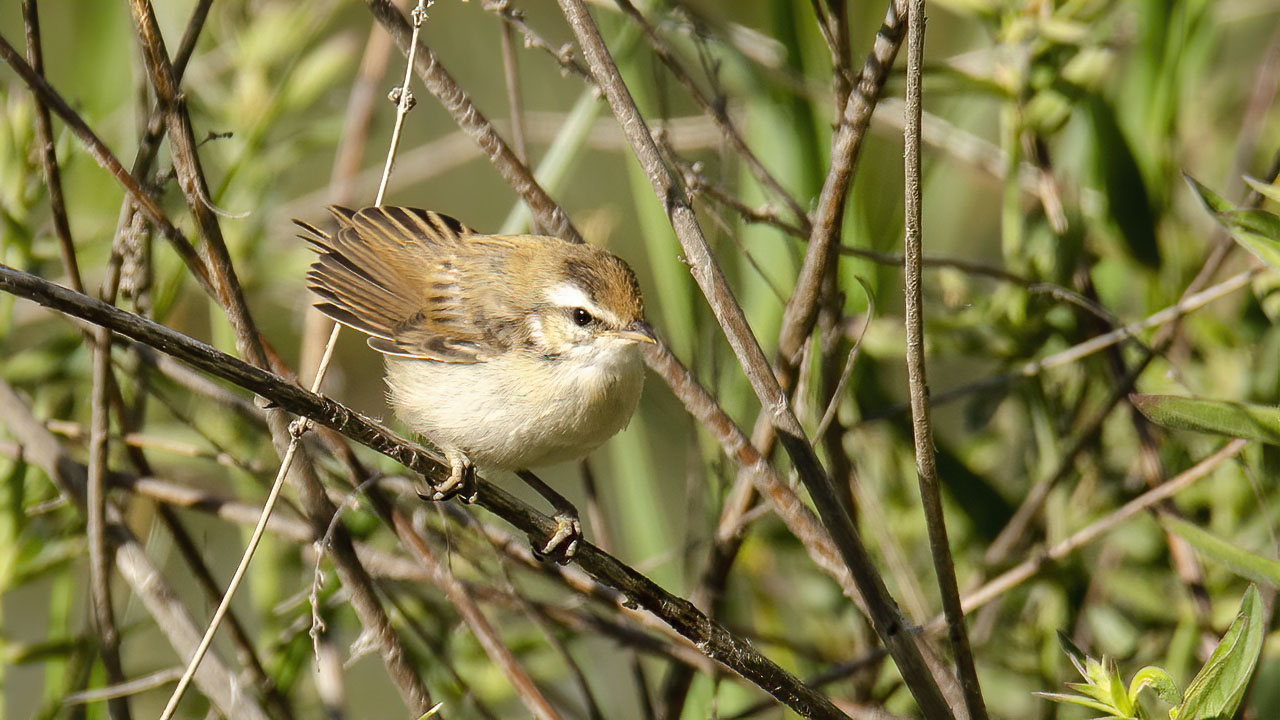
x,y
921,420
343,179
514,18
227,290
95,501
276,703
138,685
766,215
550,216
1186,305
515,98
215,679
48,156
1027,568
846,144
105,158
516,675
717,112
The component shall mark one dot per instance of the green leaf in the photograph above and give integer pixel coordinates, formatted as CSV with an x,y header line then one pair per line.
x,y
1220,417
1213,202
1266,190
1119,696
1216,691
1078,700
1103,688
39,652
1257,231
1128,202
1074,653
432,712
1251,565
1157,679
1101,693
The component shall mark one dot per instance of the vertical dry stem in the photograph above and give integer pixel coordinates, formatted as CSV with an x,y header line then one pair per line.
x,y
921,422
710,277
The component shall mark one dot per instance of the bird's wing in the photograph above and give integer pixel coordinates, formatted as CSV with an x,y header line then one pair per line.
x,y
400,275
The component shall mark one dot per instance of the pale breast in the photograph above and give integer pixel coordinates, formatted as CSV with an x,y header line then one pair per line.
x,y
518,411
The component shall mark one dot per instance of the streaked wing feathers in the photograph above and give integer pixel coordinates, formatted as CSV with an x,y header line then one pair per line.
x,y
392,272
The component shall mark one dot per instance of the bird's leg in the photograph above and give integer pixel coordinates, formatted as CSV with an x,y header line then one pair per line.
x,y
562,544
461,482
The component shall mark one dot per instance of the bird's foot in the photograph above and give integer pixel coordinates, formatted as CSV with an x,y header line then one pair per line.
x,y
562,544
461,482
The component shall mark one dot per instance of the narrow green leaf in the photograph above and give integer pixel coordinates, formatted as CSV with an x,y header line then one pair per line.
x,y
432,712
1257,231
1119,696
1220,417
1101,693
1216,691
1266,190
1128,201
1103,688
1074,653
1078,700
1251,565
1213,202
560,158
1255,222
39,652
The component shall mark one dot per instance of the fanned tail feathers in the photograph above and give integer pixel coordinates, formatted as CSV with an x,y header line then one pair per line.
x,y
370,274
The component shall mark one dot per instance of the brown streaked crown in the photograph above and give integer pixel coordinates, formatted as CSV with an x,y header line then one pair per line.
x,y
607,280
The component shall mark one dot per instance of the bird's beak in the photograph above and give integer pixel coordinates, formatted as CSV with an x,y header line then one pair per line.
x,y
638,331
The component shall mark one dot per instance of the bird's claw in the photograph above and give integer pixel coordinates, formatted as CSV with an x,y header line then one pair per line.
x,y
562,545
460,484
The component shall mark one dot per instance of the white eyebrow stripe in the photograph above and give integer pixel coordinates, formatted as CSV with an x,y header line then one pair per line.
x,y
570,295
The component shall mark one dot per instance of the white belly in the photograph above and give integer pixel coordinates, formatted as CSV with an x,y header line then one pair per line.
x,y
519,411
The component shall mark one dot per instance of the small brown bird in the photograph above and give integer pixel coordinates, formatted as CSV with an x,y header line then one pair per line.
x,y
506,351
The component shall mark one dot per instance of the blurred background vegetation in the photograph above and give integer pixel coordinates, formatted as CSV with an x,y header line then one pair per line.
x,y
1055,210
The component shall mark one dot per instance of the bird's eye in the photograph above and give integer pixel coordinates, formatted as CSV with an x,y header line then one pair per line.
x,y
581,317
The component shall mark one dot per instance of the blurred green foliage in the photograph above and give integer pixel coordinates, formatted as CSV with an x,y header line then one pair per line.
x,y
1056,140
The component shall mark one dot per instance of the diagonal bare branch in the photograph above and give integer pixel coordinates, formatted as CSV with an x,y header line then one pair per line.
x,y
226,289
549,215
717,642
885,615
216,680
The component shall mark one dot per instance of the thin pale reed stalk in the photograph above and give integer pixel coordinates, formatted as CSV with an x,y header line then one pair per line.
x,y
297,428
921,418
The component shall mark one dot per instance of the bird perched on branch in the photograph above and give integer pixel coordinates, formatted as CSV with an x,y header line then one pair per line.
x,y
506,351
